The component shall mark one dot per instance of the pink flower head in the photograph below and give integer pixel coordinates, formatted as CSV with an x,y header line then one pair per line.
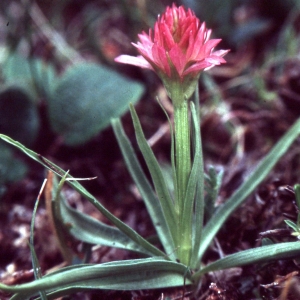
x,y
178,50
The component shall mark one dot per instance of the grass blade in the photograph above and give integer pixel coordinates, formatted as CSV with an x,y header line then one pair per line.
x,y
252,256
35,263
92,231
132,234
263,169
199,197
151,201
135,274
156,175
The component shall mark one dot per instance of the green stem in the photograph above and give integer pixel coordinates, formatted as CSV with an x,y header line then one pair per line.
x,y
182,151
183,169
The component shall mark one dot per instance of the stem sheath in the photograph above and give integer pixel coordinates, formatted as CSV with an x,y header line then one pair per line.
x,y
183,167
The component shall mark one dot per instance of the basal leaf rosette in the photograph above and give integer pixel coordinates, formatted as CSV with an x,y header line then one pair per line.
x,y
178,49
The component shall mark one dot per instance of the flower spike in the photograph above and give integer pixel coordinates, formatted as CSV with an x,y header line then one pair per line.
x,y
178,50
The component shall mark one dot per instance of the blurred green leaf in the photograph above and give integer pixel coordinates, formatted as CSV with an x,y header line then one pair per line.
x,y
297,194
11,168
43,75
33,75
292,225
86,98
18,116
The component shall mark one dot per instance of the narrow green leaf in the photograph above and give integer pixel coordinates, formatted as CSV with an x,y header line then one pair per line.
x,y
152,203
182,153
297,194
173,164
135,274
263,169
199,197
186,225
90,230
35,263
292,225
213,181
252,256
156,175
152,250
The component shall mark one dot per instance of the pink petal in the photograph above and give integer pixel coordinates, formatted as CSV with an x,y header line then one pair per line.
x,y
178,59
197,67
221,53
138,61
209,45
160,59
157,34
186,36
198,44
145,39
191,47
167,38
215,60
145,51
208,34
178,40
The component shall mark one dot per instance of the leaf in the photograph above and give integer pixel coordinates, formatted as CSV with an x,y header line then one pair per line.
x,y
151,201
16,71
86,98
11,168
18,115
90,230
213,181
133,235
53,199
32,75
252,256
297,194
156,175
134,274
35,263
257,176
199,197
186,227
43,76
292,225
